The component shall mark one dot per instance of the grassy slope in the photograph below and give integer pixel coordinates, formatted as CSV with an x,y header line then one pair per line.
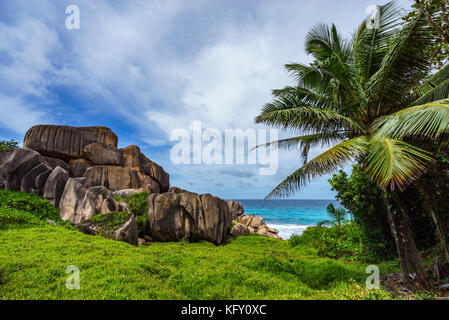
x,y
33,263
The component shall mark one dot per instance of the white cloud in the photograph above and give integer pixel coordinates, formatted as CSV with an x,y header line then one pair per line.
x,y
18,116
159,65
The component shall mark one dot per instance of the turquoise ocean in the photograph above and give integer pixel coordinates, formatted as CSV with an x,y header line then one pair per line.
x,y
289,216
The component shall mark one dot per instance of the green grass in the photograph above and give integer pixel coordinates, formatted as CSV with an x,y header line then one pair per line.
x,y
34,256
33,263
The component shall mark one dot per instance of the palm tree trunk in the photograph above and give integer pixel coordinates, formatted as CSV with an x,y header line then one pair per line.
x,y
394,232
408,254
412,253
439,231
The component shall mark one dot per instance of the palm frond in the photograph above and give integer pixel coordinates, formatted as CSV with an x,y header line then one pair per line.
x,y
304,96
288,113
312,140
325,163
370,44
434,89
402,68
309,76
394,163
431,119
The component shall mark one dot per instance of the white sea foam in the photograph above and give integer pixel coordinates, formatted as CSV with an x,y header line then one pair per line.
x,y
286,230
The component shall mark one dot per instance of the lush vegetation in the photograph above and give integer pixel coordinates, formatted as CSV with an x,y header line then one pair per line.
x,y
34,258
374,100
138,204
339,241
109,222
437,13
8,145
337,216
23,210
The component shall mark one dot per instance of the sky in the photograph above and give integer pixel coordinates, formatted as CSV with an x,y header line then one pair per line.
x,y
147,68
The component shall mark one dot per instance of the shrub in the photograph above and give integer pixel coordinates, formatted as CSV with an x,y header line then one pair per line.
x,y
8,145
27,202
344,241
363,198
327,273
278,266
109,222
138,204
294,240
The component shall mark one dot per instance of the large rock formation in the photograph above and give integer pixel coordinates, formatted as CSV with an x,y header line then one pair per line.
x,y
79,203
21,171
79,166
92,152
240,230
55,184
77,169
236,209
180,214
134,159
254,224
100,153
64,142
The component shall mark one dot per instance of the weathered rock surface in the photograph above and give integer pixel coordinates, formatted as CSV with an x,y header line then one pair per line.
x,y
125,231
127,192
240,230
35,179
186,215
113,177
18,164
255,224
133,158
64,142
4,155
54,186
53,163
236,208
79,166
79,203
100,153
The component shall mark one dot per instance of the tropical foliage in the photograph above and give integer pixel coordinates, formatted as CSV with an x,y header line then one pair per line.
x,y
8,145
341,96
337,216
437,13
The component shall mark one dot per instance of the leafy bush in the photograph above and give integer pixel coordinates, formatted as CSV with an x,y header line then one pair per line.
x,y
294,240
138,204
24,210
363,198
8,145
344,241
22,201
109,222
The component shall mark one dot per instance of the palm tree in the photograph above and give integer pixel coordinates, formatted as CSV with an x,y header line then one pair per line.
x,y
337,215
343,93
